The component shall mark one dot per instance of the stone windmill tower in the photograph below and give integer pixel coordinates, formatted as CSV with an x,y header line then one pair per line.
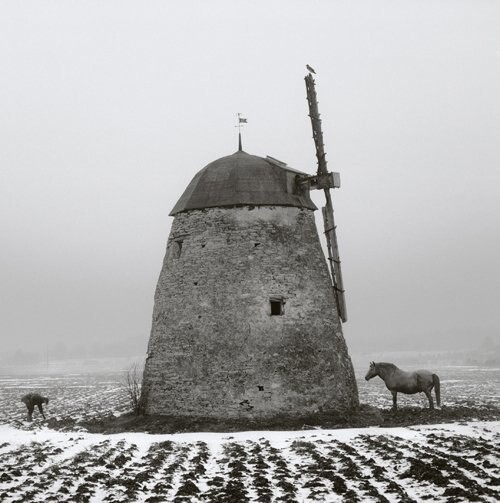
x,y
247,318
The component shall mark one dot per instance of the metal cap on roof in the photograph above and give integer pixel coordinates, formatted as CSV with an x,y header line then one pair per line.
x,y
242,179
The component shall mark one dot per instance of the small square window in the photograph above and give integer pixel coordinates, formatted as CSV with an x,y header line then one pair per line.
x,y
277,306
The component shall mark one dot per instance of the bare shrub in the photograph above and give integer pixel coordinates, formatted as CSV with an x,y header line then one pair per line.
x,y
133,384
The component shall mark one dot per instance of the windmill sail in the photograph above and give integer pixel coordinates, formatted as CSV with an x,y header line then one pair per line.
x,y
326,181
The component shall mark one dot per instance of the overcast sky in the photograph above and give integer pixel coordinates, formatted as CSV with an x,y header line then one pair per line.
x,y
109,108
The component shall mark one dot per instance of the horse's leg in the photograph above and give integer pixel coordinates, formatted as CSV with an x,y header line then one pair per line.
x,y
394,400
429,397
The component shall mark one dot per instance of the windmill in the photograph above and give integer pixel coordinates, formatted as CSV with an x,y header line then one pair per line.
x,y
222,344
325,180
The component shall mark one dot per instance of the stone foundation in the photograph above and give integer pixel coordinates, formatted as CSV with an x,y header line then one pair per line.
x,y
245,322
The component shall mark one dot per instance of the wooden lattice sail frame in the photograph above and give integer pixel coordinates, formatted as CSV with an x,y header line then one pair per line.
x,y
326,181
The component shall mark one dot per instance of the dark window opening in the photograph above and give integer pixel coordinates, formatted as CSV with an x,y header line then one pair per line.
x,y
261,388
177,249
277,306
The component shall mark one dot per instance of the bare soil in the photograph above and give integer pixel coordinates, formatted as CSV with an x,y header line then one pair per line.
x,y
364,416
455,459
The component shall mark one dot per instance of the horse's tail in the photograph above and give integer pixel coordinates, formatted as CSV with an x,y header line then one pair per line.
x,y
437,388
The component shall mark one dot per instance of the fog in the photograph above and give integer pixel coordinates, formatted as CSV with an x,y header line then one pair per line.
x,y
108,109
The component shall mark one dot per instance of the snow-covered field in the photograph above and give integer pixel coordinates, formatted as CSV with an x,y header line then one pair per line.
x,y
447,462
444,463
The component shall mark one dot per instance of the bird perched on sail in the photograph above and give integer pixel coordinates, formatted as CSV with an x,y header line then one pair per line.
x,y
310,69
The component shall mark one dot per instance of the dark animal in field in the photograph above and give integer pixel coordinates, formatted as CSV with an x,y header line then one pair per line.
x,y
32,400
397,380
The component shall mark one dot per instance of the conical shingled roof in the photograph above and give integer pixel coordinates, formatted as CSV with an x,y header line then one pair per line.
x,y
242,179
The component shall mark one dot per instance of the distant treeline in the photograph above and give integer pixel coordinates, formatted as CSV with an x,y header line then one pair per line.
x,y
483,355
67,351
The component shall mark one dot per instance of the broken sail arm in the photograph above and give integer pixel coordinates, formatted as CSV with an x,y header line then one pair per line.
x,y
326,181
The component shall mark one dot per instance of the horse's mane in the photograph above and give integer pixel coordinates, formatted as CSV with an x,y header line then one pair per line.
x,y
386,365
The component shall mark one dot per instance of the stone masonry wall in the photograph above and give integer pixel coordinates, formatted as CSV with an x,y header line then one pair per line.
x,y
215,349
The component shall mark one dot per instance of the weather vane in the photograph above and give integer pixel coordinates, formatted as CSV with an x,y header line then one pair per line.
x,y
241,120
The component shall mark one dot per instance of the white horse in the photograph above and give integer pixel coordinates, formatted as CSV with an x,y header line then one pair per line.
x,y
397,380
